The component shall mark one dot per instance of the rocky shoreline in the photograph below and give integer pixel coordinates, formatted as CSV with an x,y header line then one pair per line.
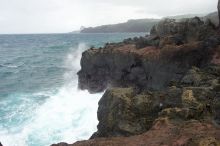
x,y
162,89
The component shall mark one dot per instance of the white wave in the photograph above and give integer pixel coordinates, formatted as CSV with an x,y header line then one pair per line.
x,y
68,115
8,66
11,65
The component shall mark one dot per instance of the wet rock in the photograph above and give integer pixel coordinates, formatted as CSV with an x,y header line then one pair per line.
x,y
121,107
126,111
163,88
130,113
146,68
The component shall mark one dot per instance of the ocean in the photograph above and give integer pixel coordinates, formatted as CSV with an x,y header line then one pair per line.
x,y
40,103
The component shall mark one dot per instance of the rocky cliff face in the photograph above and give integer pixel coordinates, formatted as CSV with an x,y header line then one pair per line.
x,y
151,62
162,89
126,112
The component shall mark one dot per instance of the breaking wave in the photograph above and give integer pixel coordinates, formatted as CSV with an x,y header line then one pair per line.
x,y
61,114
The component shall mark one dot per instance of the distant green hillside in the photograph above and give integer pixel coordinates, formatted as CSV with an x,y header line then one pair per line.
x,y
139,25
143,25
185,16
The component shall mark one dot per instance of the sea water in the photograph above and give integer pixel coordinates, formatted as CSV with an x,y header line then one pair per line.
x,y
40,103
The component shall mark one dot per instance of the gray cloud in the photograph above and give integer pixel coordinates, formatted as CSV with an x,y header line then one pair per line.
x,y
46,16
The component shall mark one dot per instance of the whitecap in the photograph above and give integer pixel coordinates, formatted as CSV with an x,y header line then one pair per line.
x,y
8,65
68,114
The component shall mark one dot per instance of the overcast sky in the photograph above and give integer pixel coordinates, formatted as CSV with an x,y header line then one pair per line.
x,y
57,16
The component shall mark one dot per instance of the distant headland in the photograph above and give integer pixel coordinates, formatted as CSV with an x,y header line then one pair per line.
x,y
139,25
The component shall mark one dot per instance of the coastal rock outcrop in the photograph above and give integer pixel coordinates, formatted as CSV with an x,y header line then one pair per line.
x,y
162,89
145,68
126,112
150,62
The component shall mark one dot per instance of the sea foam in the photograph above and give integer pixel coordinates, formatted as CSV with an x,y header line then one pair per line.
x,y
66,114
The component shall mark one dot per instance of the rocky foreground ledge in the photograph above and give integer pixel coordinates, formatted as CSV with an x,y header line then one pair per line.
x,y
162,89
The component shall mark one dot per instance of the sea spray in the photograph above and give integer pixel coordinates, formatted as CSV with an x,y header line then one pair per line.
x,y
67,114
39,100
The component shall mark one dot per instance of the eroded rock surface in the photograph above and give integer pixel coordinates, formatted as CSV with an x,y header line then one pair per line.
x,y
164,133
126,112
153,61
145,68
162,89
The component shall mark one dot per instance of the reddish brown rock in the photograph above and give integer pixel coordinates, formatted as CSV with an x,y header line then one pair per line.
x,y
165,133
146,68
162,89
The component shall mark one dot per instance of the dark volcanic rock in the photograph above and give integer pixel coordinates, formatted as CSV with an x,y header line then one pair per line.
x,y
185,114
163,88
141,63
177,80
190,30
60,144
128,113
184,83
125,112
146,68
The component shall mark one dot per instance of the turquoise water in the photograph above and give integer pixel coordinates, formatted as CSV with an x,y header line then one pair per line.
x,y
39,100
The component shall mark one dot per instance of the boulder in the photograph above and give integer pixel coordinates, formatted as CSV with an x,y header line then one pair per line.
x,y
192,77
124,112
